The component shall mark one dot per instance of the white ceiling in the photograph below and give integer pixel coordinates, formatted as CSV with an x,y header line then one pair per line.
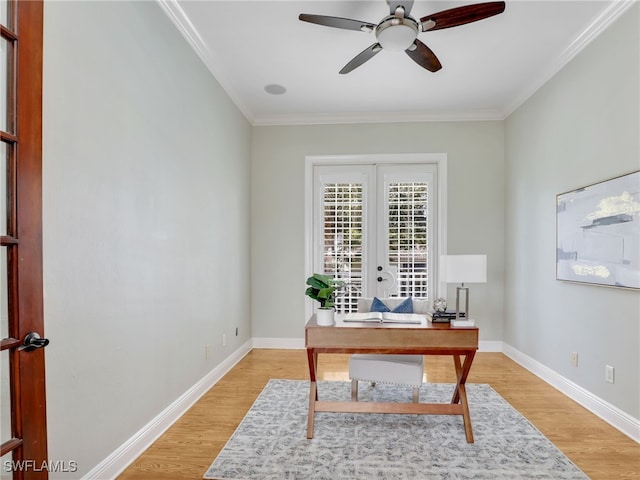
x,y
489,67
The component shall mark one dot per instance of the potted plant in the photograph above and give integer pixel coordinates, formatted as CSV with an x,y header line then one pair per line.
x,y
322,288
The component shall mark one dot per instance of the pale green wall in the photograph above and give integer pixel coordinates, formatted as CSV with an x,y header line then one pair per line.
x,y
475,208
146,223
581,127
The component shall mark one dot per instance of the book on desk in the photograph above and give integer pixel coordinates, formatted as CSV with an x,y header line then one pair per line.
x,y
445,317
384,317
450,318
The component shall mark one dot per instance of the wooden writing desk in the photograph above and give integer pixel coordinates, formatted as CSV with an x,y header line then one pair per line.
x,y
427,339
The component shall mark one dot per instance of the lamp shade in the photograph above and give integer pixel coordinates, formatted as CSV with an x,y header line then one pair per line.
x,y
463,268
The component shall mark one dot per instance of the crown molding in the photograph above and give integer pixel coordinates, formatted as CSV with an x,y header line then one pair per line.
x,y
600,24
184,25
378,117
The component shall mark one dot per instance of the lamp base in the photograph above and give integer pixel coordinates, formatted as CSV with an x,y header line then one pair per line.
x,y
466,303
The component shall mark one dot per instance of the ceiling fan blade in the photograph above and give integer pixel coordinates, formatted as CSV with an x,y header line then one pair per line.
x,y
406,4
337,22
424,57
362,57
461,15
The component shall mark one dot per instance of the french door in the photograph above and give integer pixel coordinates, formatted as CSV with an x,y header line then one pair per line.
x,y
375,228
23,434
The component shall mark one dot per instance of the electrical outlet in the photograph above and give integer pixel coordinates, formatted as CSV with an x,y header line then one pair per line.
x,y
207,351
609,373
574,359
224,339
236,331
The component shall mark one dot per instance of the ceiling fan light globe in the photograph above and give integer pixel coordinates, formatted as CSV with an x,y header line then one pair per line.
x,y
396,37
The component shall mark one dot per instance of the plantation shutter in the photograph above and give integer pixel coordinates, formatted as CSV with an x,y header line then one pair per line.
x,y
407,237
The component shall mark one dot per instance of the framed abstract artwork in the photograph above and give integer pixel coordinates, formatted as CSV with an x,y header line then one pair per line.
x,y
598,233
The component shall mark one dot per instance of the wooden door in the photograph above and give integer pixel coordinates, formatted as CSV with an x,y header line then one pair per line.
x,y
405,231
23,442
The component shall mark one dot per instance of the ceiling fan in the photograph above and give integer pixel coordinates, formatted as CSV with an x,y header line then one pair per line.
x,y
399,31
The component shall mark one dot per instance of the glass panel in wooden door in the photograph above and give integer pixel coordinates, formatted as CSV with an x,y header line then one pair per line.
x,y
406,195
5,78
4,13
341,237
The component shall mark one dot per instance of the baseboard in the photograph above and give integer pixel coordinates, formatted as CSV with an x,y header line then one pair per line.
x,y
279,343
490,346
121,458
612,415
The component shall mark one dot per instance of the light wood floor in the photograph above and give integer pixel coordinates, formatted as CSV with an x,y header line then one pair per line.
x,y
187,449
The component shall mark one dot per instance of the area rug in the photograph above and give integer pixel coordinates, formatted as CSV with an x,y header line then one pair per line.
x,y
270,443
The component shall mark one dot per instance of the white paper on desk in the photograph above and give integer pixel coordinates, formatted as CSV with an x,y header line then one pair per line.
x,y
384,317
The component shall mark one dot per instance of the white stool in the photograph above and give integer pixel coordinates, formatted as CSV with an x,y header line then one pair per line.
x,y
397,369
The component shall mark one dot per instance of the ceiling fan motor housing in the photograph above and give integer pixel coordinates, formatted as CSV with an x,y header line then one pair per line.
x,y
397,34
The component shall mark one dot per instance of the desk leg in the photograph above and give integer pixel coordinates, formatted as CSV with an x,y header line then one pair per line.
x,y
313,391
312,357
465,414
460,393
456,391
462,372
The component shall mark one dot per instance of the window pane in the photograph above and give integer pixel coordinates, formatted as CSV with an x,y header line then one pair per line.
x,y
4,12
5,466
5,392
5,398
342,245
4,82
408,246
4,304
4,152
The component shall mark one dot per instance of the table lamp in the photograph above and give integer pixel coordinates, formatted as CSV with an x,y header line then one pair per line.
x,y
463,269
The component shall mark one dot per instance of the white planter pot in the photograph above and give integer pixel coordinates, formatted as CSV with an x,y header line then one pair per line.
x,y
324,317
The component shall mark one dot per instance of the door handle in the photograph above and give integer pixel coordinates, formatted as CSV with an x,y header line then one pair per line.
x,y
32,341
